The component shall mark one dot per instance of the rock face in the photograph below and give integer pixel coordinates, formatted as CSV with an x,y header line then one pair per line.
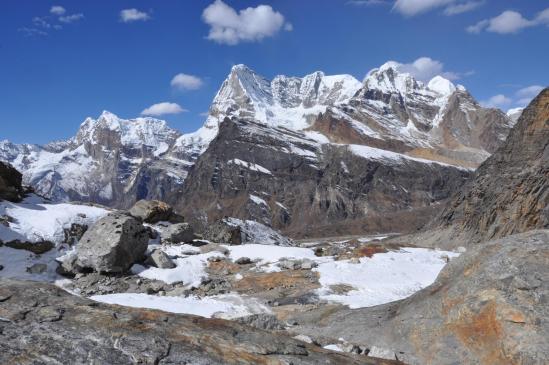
x,y
42,324
489,306
10,183
510,191
250,172
112,245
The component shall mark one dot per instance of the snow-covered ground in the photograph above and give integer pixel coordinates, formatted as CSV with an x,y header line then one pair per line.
x,y
16,262
36,220
383,278
227,306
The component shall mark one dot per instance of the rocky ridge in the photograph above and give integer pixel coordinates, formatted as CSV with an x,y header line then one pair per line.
x,y
509,192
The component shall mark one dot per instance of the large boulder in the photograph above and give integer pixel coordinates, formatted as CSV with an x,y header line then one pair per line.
x,y
177,233
224,232
112,245
160,259
10,183
236,231
151,211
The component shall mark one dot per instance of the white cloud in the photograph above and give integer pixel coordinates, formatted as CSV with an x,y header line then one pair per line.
x,y
521,98
57,10
461,8
248,25
415,7
41,22
71,18
30,32
526,94
497,101
509,22
163,108
186,82
133,15
425,68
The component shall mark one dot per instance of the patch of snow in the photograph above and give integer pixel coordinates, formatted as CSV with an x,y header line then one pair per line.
x,y
36,222
373,153
190,270
227,306
384,278
16,262
249,166
257,200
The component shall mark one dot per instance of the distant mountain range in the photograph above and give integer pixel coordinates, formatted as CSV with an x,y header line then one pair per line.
x,y
300,154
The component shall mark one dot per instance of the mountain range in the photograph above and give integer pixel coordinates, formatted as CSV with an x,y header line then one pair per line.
x,y
299,154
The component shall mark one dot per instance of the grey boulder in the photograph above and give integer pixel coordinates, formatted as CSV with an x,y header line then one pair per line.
x,y
160,259
177,233
112,245
223,232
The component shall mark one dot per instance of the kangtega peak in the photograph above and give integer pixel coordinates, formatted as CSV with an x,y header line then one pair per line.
x,y
116,162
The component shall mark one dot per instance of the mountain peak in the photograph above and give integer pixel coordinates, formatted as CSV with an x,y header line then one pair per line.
x,y
441,85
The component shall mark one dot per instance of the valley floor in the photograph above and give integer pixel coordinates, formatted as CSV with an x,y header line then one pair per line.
x,y
252,283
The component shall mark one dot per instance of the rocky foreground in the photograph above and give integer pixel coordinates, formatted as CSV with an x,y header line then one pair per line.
x,y
42,324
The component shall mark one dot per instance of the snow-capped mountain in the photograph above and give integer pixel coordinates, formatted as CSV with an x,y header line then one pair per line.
x,y
110,161
305,132
437,120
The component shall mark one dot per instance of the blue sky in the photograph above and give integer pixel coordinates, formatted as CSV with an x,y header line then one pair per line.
x,y
62,61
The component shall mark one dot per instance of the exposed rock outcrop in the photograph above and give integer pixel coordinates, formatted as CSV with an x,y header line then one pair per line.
x,y
112,245
249,172
509,192
40,323
489,306
10,183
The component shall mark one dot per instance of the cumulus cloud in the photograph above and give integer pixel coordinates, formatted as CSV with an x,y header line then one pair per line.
x,y
133,15
425,68
71,18
163,109
509,22
227,26
186,82
57,10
